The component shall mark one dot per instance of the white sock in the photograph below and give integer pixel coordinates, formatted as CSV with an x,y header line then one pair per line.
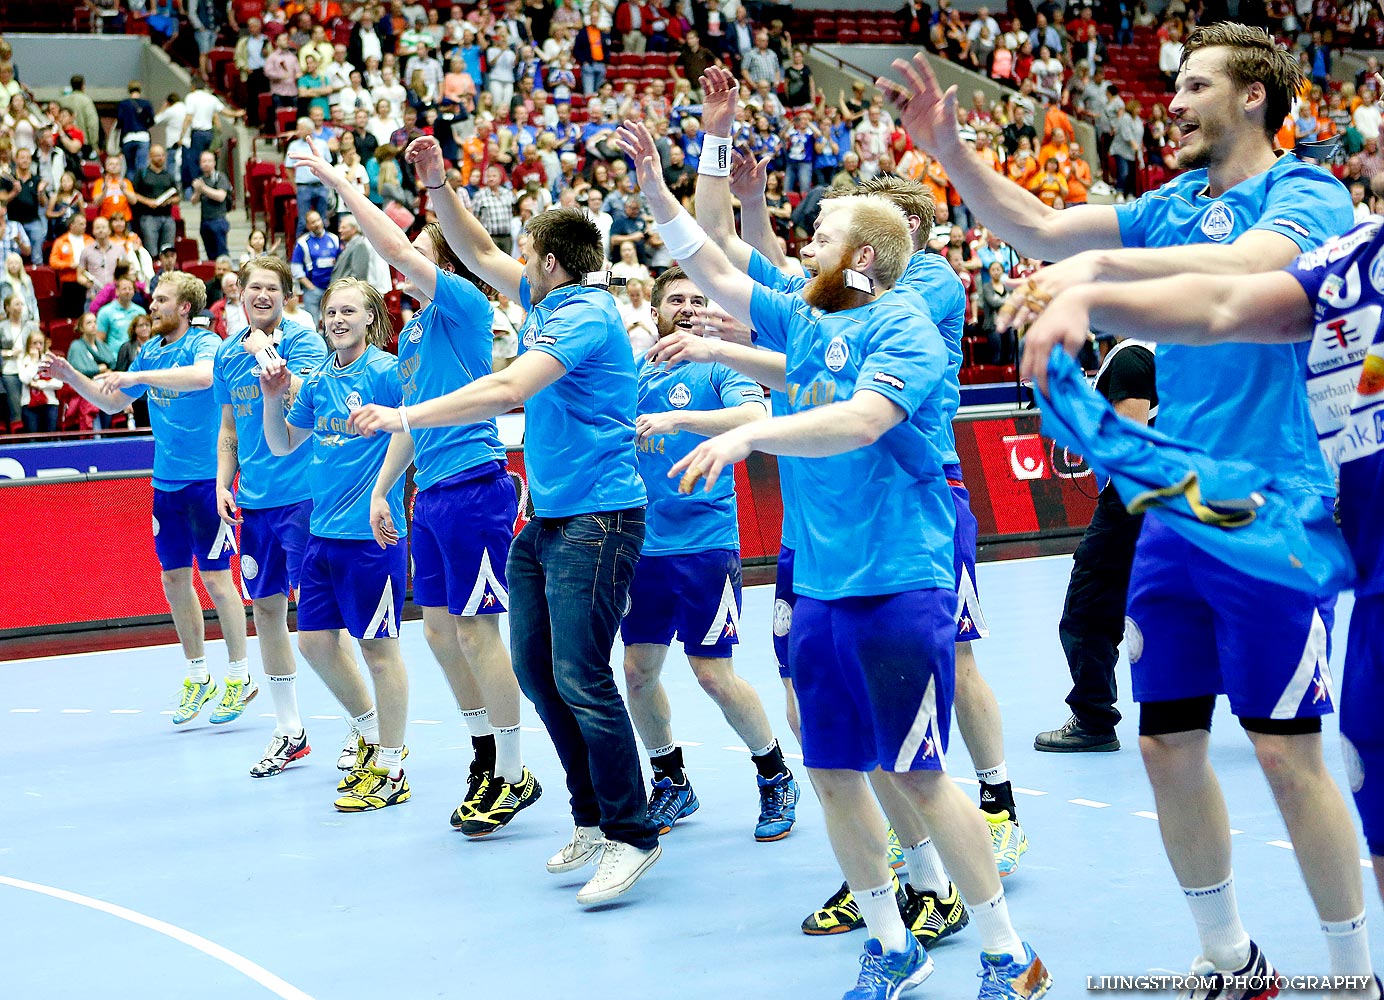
x,y
996,775
284,691
368,726
197,671
1348,947
1224,941
662,751
997,934
925,869
509,761
238,670
881,912
391,759
477,723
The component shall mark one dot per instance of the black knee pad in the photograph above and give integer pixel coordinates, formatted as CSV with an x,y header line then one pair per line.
x,y
1283,727
1182,715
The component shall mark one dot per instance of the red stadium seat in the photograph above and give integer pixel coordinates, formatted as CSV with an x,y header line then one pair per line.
x,y
186,251
45,281
62,332
204,270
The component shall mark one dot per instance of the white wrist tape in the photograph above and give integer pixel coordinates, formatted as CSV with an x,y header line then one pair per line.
x,y
715,161
267,354
403,419
682,236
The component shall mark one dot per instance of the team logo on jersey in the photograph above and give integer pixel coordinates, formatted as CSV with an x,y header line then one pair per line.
x,y
783,617
1290,224
353,402
680,395
415,334
249,568
1134,639
256,371
893,381
1342,291
1218,223
1355,766
530,335
1377,272
837,354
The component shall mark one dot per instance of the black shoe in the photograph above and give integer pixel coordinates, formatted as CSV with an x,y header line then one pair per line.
x,y
1073,737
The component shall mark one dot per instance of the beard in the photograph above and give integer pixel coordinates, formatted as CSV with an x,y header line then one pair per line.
x,y
1199,155
828,291
162,325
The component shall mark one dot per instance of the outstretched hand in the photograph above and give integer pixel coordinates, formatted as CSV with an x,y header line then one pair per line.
x,y
425,155
927,114
748,177
1065,321
635,140
719,92
321,169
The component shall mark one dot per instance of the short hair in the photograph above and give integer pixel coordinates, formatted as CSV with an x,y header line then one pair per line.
x,y
661,283
381,330
272,263
135,87
569,236
878,223
1253,57
912,197
186,288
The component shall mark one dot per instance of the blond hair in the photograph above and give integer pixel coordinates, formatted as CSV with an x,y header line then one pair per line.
x,y
186,288
878,223
381,330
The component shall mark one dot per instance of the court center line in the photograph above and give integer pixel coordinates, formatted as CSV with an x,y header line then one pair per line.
x,y
239,963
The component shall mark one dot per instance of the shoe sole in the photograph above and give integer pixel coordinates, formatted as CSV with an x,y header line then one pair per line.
x,y
479,834
297,756
667,828
1110,747
1022,851
402,797
606,895
838,929
918,977
775,837
244,705
575,863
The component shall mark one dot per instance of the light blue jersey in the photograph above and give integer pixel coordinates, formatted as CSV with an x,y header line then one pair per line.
x,y
680,523
344,465
943,296
869,525
265,481
186,423
1242,401
581,427
445,346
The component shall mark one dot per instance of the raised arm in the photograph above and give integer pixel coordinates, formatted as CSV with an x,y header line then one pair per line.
x,y
379,229
768,368
708,267
748,179
1034,229
107,400
715,209
466,236
1266,308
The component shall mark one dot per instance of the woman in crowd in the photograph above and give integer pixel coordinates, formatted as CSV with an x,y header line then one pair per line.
x,y
64,203
16,281
39,395
15,328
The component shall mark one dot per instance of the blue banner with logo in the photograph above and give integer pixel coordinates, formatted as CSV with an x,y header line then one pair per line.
x,y
46,459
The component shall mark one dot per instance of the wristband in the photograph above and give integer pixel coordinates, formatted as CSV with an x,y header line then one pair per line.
x,y
267,354
403,419
715,161
682,236
435,187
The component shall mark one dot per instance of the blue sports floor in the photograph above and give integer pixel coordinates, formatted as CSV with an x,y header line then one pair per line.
x,y
143,862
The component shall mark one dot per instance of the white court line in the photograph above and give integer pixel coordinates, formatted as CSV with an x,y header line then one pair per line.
x,y
239,963
1026,791
686,743
325,718
1280,843
1366,863
75,711
1089,803
126,711
530,729
25,711
1145,814
424,722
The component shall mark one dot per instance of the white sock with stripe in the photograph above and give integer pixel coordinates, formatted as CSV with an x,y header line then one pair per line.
x,y
284,691
509,760
368,727
881,912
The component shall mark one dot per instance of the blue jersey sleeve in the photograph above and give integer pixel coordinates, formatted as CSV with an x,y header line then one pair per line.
x,y
461,300
902,366
765,273
302,413
1132,216
525,293
734,388
137,365
307,351
771,313
1307,206
572,336
220,388
389,388
1335,265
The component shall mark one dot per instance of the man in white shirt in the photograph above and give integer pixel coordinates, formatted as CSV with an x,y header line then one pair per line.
x,y
202,107
313,195
872,141
983,20
1367,116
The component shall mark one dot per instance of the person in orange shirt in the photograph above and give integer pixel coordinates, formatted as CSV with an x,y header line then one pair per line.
x,y
985,149
1286,138
113,192
1056,119
935,178
1050,186
1056,149
1078,176
473,149
67,249
1023,165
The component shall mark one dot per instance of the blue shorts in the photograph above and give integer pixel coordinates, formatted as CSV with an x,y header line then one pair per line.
x,y
784,599
272,540
354,584
1198,627
970,619
462,530
1362,739
694,596
187,529
874,678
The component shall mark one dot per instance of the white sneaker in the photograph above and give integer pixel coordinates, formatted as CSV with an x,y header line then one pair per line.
x,y
621,866
586,842
350,751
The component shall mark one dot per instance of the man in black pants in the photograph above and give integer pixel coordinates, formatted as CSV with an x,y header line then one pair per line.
x,y
1093,616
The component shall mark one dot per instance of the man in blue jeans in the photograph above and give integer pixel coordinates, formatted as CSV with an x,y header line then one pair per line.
x,y
570,568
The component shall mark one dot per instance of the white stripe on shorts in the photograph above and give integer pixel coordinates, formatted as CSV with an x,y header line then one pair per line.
x,y
384,615
924,727
486,574
1313,658
718,624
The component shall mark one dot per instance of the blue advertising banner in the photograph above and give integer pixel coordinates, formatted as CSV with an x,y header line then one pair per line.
x,y
46,459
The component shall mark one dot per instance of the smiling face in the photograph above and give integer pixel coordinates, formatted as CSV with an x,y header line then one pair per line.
x,y
262,298
346,320
165,311
1209,108
682,303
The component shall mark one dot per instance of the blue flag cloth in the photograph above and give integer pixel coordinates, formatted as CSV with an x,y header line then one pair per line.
x,y
1228,509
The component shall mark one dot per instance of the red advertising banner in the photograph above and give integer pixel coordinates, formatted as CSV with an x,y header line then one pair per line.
x,y
80,551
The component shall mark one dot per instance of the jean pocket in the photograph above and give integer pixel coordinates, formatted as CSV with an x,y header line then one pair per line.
x,y
585,529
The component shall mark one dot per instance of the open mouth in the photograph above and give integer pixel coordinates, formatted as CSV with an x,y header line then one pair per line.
x,y
1186,128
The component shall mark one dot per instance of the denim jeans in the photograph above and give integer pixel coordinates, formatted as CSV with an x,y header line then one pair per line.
x,y
569,587
214,235
199,140
157,232
37,231
312,197
136,156
312,301
799,176
593,74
